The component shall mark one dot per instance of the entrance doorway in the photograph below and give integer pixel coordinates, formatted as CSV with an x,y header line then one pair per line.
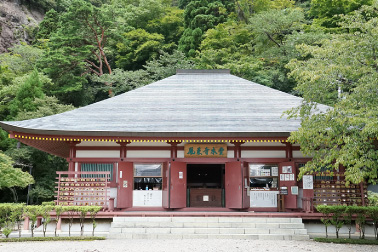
x,y
205,185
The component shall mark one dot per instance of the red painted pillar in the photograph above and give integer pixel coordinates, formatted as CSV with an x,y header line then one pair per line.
x,y
71,163
123,150
174,149
59,224
362,193
289,151
237,149
26,223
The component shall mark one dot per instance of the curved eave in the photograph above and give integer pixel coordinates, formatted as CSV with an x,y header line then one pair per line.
x,y
11,128
57,148
58,142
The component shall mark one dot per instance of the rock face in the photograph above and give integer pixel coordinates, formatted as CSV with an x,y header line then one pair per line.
x,y
17,23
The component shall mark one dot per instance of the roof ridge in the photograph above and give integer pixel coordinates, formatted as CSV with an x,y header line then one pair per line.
x,y
202,71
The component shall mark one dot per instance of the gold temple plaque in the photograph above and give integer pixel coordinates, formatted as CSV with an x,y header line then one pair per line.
x,y
205,150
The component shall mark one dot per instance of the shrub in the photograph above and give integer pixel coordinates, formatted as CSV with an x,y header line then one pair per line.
x,y
45,213
71,211
373,214
7,231
93,210
326,211
373,198
82,210
337,217
348,217
77,238
33,212
58,212
348,241
361,213
48,203
11,214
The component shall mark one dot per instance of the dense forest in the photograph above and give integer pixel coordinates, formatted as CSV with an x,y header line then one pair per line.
x,y
84,51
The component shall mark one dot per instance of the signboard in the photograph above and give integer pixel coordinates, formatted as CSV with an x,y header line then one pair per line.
x,y
287,177
263,198
147,198
287,169
283,190
308,182
294,190
205,150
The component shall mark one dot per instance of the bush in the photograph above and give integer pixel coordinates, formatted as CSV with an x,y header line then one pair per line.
x,y
77,238
373,198
338,215
7,231
337,218
348,241
11,214
32,212
361,214
373,215
326,211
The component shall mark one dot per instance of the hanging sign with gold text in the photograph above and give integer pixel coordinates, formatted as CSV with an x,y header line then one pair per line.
x,y
205,150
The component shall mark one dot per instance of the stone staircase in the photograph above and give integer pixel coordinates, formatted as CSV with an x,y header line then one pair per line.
x,y
207,228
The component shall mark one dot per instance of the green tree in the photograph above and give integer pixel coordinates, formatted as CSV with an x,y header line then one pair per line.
x,y
21,59
170,25
26,94
167,64
272,45
46,106
330,8
32,212
49,25
229,46
246,8
276,33
327,13
138,13
93,210
58,212
45,214
156,69
138,48
78,48
10,176
346,133
199,16
271,28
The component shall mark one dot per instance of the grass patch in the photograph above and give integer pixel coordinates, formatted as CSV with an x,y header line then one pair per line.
x,y
73,238
348,241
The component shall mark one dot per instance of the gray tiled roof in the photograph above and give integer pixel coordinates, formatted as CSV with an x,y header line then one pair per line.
x,y
190,103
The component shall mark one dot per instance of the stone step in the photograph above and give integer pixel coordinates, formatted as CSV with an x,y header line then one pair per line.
x,y
210,236
204,225
208,219
206,231
208,228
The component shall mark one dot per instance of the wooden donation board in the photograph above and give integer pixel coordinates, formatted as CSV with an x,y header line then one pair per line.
x,y
83,189
206,150
338,193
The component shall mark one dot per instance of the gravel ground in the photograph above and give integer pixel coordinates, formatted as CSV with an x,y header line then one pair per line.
x,y
182,246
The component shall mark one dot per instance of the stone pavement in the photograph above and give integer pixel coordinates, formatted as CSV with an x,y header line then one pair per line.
x,y
186,245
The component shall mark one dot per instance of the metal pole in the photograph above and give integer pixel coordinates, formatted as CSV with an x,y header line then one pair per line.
x,y
29,187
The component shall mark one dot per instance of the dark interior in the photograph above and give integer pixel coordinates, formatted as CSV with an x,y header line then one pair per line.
x,y
205,175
